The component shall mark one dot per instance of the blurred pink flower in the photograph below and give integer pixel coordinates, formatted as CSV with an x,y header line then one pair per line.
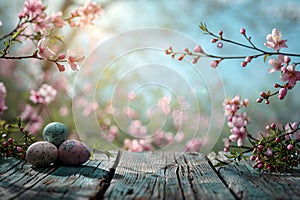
x,y
36,97
57,20
34,121
193,145
129,112
2,97
137,145
274,40
112,133
162,138
75,56
46,94
164,104
87,14
137,129
276,63
64,111
1,23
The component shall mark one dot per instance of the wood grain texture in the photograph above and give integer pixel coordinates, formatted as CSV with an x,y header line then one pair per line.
x,y
20,180
165,175
248,183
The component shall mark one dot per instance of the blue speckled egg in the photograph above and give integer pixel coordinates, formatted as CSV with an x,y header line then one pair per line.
x,y
73,152
55,133
41,154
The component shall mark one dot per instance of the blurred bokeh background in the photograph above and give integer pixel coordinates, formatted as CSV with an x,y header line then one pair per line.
x,y
136,108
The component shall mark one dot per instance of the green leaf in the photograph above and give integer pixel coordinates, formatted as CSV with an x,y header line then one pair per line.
x,y
266,56
203,27
16,34
6,44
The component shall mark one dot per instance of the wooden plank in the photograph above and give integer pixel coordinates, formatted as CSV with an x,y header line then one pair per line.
x,y
165,175
24,181
247,183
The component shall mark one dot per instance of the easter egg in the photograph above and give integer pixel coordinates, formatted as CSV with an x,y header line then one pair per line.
x,y
73,152
41,154
55,133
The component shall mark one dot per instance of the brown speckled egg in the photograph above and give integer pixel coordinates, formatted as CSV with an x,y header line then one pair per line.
x,y
41,154
73,152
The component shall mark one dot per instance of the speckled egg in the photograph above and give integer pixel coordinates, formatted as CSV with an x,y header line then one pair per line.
x,y
73,152
41,154
55,133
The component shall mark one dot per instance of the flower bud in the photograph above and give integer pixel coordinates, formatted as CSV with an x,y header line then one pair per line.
x,y
243,64
273,125
290,147
248,59
198,49
263,94
220,32
214,40
243,31
276,85
62,56
259,100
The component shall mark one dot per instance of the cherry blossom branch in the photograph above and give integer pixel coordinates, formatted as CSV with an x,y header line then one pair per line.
x,y
282,63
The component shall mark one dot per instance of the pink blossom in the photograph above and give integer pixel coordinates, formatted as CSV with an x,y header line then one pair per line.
x,y
290,75
33,8
274,40
193,145
1,23
87,14
42,24
57,20
137,145
238,135
2,97
276,63
46,48
74,57
137,129
164,104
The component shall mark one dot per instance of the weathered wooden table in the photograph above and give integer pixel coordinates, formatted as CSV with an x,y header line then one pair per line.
x,y
157,175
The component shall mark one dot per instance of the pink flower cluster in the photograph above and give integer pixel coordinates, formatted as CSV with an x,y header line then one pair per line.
x,y
45,94
34,12
137,145
236,121
2,98
35,121
86,14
